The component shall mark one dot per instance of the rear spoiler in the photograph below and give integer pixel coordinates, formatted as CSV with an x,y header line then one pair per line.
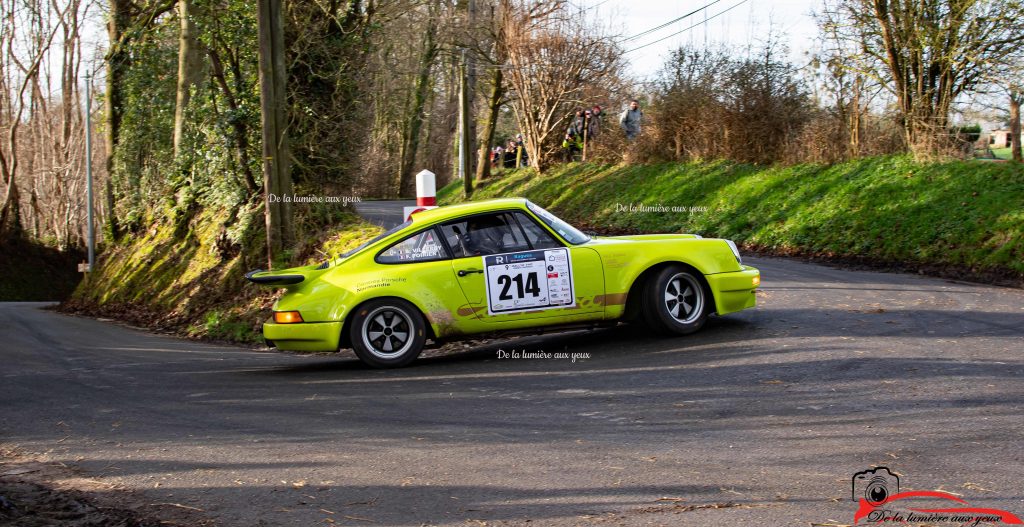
x,y
257,277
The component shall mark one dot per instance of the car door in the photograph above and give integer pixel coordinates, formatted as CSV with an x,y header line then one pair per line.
x,y
510,269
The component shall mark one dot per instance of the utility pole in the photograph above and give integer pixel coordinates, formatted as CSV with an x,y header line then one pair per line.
x,y
467,182
467,86
471,35
88,168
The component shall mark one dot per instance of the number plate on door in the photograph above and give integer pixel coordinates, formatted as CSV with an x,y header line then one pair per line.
x,y
529,281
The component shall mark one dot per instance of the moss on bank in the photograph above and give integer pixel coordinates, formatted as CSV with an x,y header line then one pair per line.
x,y
192,281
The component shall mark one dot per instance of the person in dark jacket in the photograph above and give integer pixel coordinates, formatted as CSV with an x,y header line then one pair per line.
x,y
573,142
594,123
630,120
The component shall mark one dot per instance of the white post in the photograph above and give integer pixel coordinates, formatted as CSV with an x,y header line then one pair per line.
x,y
426,194
426,188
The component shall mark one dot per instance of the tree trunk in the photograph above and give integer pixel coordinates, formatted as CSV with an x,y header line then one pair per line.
x,y
190,68
855,118
118,61
276,162
483,166
411,132
10,215
241,130
1015,100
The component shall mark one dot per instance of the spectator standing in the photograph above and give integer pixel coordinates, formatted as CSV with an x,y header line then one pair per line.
x,y
573,142
496,156
521,152
577,125
594,126
510,154
571,145
588,121
630,120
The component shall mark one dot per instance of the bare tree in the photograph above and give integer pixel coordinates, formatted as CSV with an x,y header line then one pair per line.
x,y
710,104
928,53
553,56
492,49
845,92
414,122
27,62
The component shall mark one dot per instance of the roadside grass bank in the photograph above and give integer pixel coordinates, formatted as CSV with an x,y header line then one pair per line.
x,y
190,279
958,219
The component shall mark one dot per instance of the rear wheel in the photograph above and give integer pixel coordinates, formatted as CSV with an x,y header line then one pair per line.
x,y
387,333
675,301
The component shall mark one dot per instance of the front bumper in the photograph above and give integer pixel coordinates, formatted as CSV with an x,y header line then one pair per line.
x,y
304,336
734,291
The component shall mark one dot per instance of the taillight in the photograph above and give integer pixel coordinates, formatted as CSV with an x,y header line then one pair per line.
x,y
287,317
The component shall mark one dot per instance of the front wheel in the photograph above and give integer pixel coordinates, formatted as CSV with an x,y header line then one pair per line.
x,y
387,333
676,301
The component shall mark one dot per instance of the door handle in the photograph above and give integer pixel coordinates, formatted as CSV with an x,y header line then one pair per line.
x,y
464,272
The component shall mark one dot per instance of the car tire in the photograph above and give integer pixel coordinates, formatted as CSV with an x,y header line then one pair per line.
x,y
387,333
676,301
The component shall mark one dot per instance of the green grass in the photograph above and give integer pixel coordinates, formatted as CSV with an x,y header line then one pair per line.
x,y
1003,153
889,209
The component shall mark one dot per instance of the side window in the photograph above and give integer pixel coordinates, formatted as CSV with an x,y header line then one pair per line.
x,y
420,247
535,234
483,235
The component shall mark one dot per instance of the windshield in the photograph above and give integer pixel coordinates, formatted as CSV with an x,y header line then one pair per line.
x,y
377,238
566,231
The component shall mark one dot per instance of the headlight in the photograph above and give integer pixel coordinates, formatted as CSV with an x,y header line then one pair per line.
x,y
735,251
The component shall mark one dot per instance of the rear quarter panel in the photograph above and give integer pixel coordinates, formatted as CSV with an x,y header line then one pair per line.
x,y
430,286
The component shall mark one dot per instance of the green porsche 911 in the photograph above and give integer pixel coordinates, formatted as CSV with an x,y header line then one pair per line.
x,y
498,267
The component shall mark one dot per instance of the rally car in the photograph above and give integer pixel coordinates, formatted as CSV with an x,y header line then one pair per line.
x,y
497,267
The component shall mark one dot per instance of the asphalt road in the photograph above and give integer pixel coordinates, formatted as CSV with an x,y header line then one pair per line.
x,y
384,213
759,419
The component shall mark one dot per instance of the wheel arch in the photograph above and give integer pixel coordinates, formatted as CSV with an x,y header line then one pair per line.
x,y
346,341
634,296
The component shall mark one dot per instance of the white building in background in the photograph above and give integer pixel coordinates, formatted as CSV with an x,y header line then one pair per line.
x,y
999,139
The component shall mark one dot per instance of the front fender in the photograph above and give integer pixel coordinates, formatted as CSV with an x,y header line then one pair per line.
x,y
625,262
